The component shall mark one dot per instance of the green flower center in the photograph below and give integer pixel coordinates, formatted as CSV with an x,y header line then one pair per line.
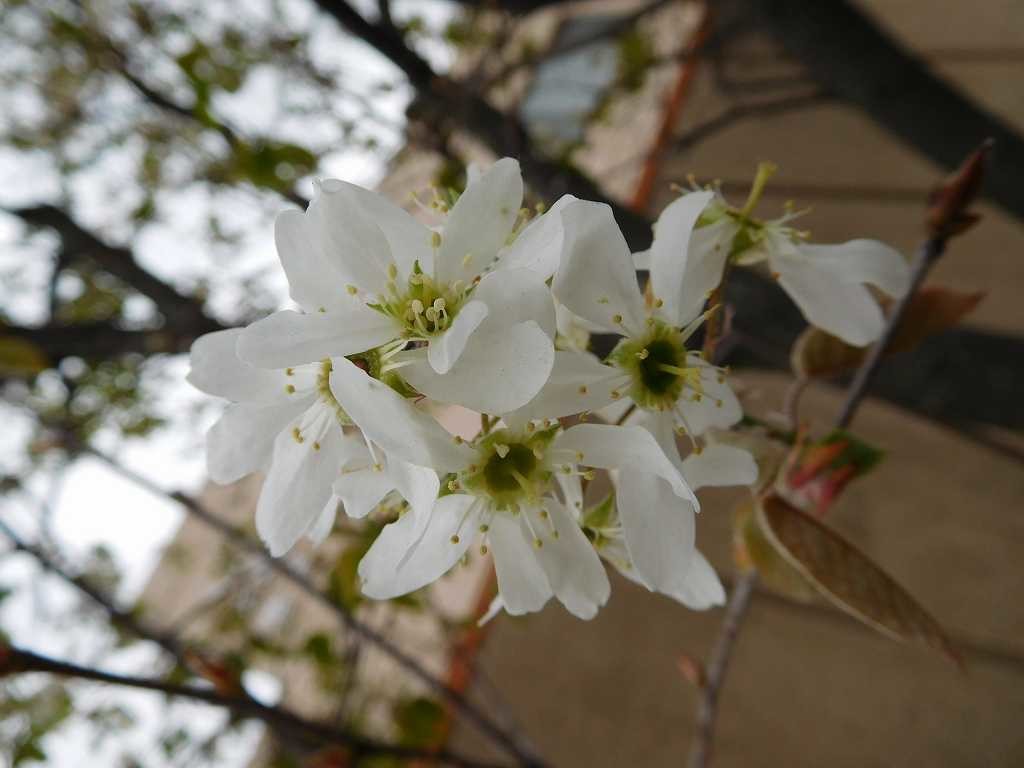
x,y
510,469
424,308
657,366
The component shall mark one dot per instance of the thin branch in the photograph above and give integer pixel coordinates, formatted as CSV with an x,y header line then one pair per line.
x,y
246,543
718,667
947,214
739,112
15,660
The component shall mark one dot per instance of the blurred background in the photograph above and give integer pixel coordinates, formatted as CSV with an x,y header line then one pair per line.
x,y
145,148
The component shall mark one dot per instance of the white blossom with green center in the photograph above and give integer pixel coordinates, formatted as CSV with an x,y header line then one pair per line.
x,y
827,282
673,389
514,492
466,303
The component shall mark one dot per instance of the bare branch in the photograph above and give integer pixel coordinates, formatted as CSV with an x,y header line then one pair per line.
x,y
14,660
247,544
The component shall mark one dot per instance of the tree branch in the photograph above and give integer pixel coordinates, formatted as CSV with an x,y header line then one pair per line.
x,y
15,660
852,57
247,544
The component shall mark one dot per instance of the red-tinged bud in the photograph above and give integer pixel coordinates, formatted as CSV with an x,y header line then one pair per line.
x,y
225,675
816,472
692,670
948,213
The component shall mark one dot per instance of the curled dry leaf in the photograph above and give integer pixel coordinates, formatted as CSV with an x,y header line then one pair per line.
x,y
848,578
817,353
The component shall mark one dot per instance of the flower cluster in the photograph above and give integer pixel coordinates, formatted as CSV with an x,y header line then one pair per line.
x,y
491,309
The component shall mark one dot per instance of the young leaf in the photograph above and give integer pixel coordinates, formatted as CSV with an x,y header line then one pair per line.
x,y
752,549
848,578
932,310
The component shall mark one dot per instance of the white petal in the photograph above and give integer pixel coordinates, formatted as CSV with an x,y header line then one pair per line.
x,y
352,242
362,490
289,338
864,261
298,484
719,465
497,606
630,449
539,246
389,569
497,373
670,256
444,350
595,279
217,370
521,581
408,240
417,485
324,524
846,310
573,568
578,382
718,406
480,222
393,423
700,588
658,528
515,296
709,249
242,440
313,281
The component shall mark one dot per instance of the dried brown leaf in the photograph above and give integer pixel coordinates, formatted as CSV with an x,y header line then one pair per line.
x,y
848,578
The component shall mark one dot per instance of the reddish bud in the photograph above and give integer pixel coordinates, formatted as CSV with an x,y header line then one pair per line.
x,y
948,213
816,472
692,670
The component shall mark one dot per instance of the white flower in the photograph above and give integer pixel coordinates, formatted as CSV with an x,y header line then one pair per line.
x,y
827,282
367,275
673,388
693,582
288,424
501,490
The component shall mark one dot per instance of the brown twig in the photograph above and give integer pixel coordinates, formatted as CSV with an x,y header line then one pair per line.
x,y
508,741
15,660
948,215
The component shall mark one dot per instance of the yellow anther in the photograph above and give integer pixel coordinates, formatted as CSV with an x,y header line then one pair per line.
x,y
659,303
483,549
530,427
650,321
467,259
352,290
584,415
589,475
538,543
322,310
455,538
485,528
543,514
289,371
435,239
502,450
316,446
643,354
290,389
554,534
616,318
453,485
458,440
583,389
698,449
603,300
378,467
579,456
297,435
616,394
